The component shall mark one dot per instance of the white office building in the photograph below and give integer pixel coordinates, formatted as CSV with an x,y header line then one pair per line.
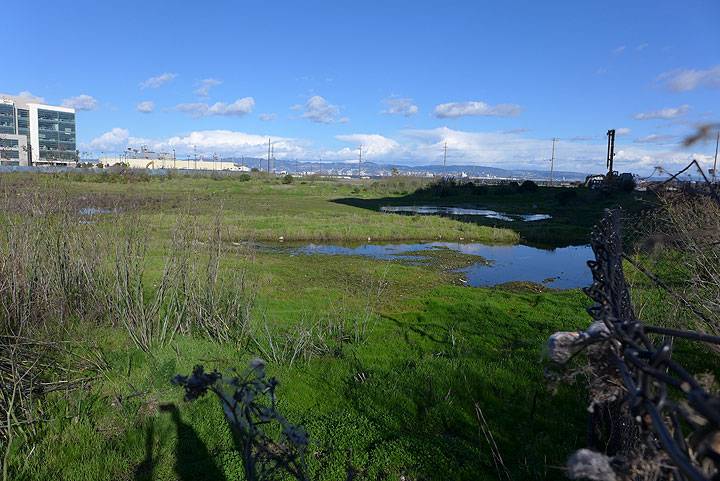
x,y
36,134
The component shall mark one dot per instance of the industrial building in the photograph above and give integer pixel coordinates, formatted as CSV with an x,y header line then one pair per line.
x,y
150,160
36,134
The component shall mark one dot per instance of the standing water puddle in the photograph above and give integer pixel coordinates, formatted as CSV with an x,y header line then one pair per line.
x,y
563,268
89,211
490,214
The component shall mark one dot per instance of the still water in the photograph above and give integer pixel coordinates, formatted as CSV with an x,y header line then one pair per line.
x,y
458,211
562,268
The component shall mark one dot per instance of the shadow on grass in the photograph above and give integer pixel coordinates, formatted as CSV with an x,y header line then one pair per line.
x,y
193,461
572,216
144,470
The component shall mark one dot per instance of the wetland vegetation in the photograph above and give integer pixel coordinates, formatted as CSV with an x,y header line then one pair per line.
x,y
387,364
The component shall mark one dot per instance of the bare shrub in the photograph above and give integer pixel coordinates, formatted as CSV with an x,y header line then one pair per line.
x,y
219,298
30,369
151,316
195,293
51,269
684,235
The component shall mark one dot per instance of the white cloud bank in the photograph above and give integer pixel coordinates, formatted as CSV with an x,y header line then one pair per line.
x,y
475,108
115,139
238,108
317,109
684,80
157,81
146,107
24,97
420,147
400,106
205,85
665,114
81,102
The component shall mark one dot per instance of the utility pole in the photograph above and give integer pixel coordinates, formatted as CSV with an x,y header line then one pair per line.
x,y
552,161
272,158
717,142
360,161
268,159
195,155
174,160
445,158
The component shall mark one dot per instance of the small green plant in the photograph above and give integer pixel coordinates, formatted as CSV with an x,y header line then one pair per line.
x,y
287,179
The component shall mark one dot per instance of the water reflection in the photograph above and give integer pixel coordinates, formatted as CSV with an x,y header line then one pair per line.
x,y
490,214
562,268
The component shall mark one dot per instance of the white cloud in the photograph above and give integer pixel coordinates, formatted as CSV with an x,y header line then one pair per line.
x,y
619,49
622,131
461,109
374,145
686,80
240,107
158,81
666,113
24,97
146,107
81,102
205,85
641,47
115,139
266,117
656,139
400,106
517,151
421,147
319,110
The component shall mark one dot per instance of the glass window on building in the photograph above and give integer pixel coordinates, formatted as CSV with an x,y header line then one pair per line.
x,y
47,114
7,111
9,144
9,154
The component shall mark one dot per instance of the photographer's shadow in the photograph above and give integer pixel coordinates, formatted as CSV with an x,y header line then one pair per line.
x,y
193,461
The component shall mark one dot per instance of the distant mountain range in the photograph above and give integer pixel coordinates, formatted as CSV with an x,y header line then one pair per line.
x,y
374,169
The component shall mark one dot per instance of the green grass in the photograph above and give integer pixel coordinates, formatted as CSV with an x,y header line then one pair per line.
x,y
262,209
425,368
400,403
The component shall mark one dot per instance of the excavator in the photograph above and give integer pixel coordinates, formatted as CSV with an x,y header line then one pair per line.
x,y
611,180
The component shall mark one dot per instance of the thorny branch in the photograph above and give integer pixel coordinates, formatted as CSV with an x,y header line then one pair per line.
x,y
651,418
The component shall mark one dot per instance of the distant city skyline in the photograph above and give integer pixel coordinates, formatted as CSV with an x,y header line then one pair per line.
x,y
496,81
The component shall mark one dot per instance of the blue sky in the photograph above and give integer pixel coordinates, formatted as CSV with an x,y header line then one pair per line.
x,y
495,80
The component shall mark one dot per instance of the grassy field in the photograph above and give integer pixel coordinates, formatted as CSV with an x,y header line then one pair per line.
x,y
399,401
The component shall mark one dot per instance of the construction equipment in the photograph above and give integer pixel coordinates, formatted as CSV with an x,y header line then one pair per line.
x,y
612,180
